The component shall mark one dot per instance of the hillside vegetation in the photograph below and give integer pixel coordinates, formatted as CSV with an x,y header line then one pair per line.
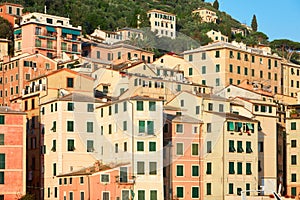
x,y
114,14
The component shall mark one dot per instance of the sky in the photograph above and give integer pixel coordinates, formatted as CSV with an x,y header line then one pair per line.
x,y
278,19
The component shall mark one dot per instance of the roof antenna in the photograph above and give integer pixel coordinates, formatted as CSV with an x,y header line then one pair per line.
x,y
45,9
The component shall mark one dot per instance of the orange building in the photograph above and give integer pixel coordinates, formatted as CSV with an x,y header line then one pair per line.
x,y
96,182
182,159
50,35
12,153
17,71
11,12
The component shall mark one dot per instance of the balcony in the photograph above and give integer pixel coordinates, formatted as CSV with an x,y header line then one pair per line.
x,y
125,180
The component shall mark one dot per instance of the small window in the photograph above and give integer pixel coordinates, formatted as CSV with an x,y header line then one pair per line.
x,y
140,105
179,170
179,148
104,178
140,146
70,82
293,126
179,128
70,106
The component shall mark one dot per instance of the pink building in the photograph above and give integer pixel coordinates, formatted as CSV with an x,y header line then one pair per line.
x,y
183,162
11,12
97,182
12,153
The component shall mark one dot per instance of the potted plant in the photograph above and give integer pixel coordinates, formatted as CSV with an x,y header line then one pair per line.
x,y
293,113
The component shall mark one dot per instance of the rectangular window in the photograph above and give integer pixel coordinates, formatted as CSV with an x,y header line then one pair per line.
x,y
2,161
293,143
208,188
240,146
89,127
140,146
152,146
54,169
152,168
140,105
238,55
293,126
294,159
217,55
150,127
195,170
179,170
195,149
141,126
203,56
230,188
294,191
81,195
90,146
208,147
260,146
70,126
116,108
152,105
125,106
208,127
70,82
231,68
203,69
90,107
248,147
231,146
2,119
217,68
179,148
248,169
70,106
190,71
208,168
293,177
245,71
217,82
1,139
179,128
104,178
140,168
190,58
195,192
239,168
71,145
231,168
124,125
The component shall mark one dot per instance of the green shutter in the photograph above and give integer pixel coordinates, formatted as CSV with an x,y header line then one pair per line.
x,y
70,126
141,195
208,188
208,168
194,149
248,169
230,126
2,161
152,105
195,171
230,188
240,146
195,192
179,192
231,146
1,177
141,126
153,195
140,105
293,125
231,168
239,168
150,127
152,146
1,139
2,119
179,171
140,146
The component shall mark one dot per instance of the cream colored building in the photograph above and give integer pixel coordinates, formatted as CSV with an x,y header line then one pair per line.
x,y
217,36
131,132
163,23
291,82
3,48
206,15
223,63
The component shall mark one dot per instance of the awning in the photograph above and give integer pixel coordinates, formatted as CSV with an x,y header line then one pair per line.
x,y
50,29
19,31
249,126
69,31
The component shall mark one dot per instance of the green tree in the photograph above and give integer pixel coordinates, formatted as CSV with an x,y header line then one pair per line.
x,y
254,23
216,4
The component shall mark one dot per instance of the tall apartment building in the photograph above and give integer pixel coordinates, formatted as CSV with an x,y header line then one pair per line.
x,y
163,23
12,153
222,64
50,35
11,12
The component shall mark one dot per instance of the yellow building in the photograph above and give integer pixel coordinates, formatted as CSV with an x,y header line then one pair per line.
x,y
206,15
222,64
291,82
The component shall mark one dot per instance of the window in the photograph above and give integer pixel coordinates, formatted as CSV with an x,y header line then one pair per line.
x,y
81,180
90,146
231,168
109,110
2,161
70,82
208,188
179,128
116,108
195,170
238,55
125,195
294,159
140,105
152,168
90,107
140,168
230,188
98,54
217,55
208,168
293,177
248,147
248,188
152,105
208,146
54,169
1,177
179,192
217,82
293,143
53,126
248,169
190,58
179,148
53,146
261,74
109,129
195,150
89,127
231,146
2,119
293,126
190,71
104,178
195,192
71,146
150,127
240,146
245,71
125,106
70,126
239,168
238,70
152,146
124,125
74,48
70,106
81,195
1,139
210,106
182,103
294,191
140,146
153,195
203,56
141,126
203,69
217,68
230,68
221,108
208,127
